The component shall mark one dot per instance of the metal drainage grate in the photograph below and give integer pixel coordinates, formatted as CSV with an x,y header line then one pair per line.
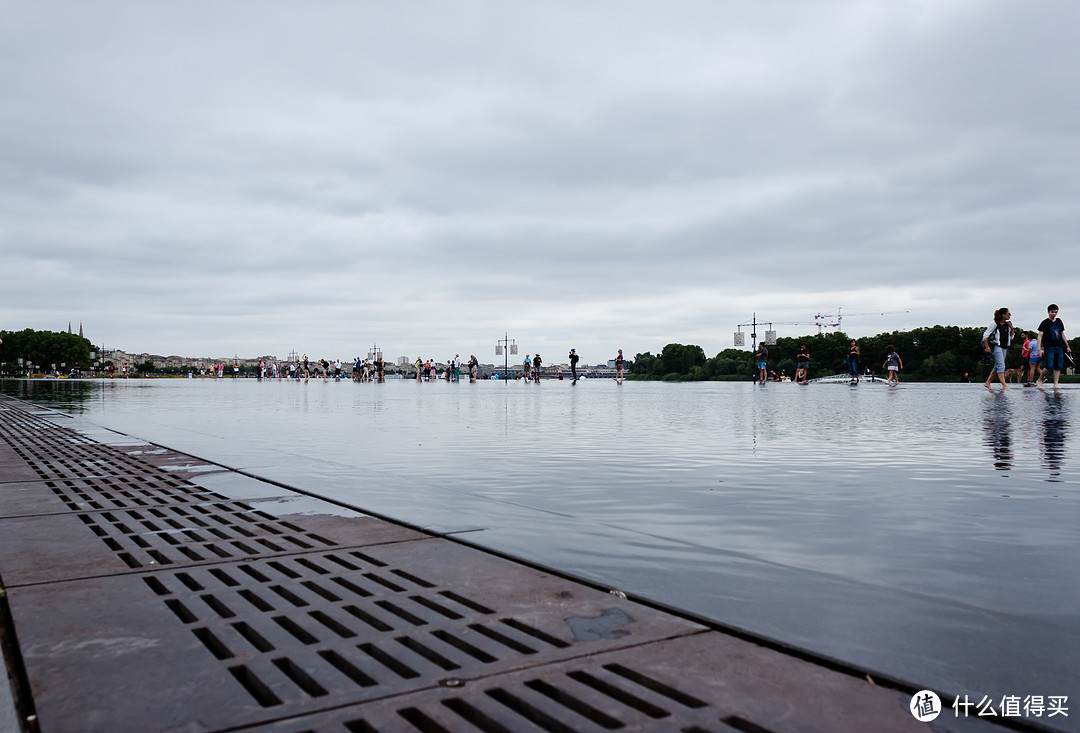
x,y
132,491
168,535
336,623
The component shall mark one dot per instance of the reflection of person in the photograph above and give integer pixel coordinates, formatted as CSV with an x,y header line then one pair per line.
x,y
995,340
853,361
998,434
1055,422
893,363
573,363
1053,343
761,356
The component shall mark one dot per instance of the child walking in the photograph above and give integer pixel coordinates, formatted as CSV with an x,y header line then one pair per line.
x,y
894,364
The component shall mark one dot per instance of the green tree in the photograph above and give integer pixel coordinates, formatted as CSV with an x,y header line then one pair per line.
x,y
642,365
44,348
679,358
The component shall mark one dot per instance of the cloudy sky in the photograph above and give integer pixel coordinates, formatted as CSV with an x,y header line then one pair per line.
x,y
219,178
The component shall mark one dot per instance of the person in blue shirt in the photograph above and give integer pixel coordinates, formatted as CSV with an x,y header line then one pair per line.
x,y
761,356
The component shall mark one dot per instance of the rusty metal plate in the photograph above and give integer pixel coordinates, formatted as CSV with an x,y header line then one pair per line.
x,y
27,498
15,469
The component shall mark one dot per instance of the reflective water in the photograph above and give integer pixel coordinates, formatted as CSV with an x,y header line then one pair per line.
x,y
927,532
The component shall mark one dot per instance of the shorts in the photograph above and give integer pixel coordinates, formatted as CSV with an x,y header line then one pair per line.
x,y
1055,358
999,360
1034,359
802,365
760,365
893,368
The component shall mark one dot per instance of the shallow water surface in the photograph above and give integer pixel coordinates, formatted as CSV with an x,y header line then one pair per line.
x,y
928,532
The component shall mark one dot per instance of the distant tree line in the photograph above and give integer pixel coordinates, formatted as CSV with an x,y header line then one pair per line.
x,y
932,354
43,349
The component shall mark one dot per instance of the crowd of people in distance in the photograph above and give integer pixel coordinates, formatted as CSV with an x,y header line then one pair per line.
x,y
893,364
374,370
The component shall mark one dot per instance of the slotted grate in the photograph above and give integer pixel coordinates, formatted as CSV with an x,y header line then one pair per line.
x,y
350,622
170,535
124,492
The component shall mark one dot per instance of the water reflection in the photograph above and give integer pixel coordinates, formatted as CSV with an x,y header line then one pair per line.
x,y
996,424
1053,434
69,395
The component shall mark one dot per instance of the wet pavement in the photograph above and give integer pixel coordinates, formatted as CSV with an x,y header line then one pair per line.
x,y
149,590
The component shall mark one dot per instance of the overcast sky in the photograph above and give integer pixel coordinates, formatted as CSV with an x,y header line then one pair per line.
x,y
249,178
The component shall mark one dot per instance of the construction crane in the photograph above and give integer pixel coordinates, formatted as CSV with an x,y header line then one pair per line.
x,y
822,320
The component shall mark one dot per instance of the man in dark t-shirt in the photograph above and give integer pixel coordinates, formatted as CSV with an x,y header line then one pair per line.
x,y
1052,342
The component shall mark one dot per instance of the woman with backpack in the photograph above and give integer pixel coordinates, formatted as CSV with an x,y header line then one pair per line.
x,y
995,340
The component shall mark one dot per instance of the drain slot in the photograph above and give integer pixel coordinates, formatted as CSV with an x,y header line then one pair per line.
x,y
341,664
255,687
253,637
290,669
527,711
617,693
570,702
394,665
658,687
474,716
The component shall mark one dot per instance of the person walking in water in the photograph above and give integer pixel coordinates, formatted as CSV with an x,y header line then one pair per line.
x,y
573,364
537,361
619,360
893,364
802,365
995,340
474,365
527,367
853,361
1052,342
761,356
1034,356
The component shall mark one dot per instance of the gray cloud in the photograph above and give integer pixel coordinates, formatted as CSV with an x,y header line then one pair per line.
x,y
253,178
